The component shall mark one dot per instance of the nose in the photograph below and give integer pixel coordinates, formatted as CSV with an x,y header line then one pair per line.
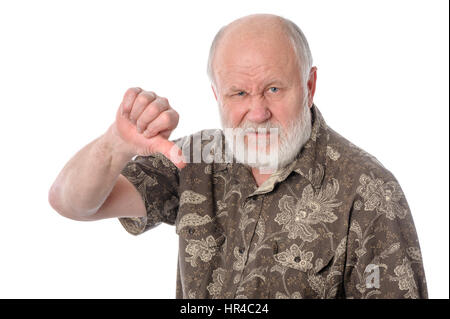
x,y
258,112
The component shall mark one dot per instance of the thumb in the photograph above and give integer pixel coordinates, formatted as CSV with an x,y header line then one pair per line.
x,y
171,151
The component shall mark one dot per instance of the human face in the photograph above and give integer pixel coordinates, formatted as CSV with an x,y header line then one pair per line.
x,y
258,84
261,152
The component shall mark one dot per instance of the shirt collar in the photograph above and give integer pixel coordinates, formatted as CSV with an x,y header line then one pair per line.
x,y
312,160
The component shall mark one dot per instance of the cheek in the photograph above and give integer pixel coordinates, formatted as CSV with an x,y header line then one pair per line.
x,y
285,111
279,117
234,114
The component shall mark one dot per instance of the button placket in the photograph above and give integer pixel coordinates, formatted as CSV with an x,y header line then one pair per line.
x,y
256,215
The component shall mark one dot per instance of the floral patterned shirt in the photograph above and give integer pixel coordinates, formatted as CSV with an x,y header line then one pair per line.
x,y
332,224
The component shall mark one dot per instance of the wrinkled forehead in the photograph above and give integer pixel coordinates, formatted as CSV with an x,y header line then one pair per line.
x,y
252,50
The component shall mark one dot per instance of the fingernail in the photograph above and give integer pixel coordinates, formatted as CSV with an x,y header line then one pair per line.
x,y
139,130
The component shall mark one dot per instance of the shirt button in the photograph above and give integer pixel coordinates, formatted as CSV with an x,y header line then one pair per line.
x,y
241,250
297,259
275,248
191,231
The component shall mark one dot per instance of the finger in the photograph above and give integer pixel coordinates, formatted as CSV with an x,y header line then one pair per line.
x,y
128,100
166,133
140,103
170,150
151,112
167,120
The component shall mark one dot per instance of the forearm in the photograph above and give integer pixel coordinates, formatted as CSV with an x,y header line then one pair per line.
x,y
88,178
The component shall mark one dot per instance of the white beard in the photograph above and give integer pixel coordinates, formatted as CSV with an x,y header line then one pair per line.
x,y
289,144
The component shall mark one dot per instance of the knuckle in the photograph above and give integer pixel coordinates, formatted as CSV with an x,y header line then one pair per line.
x,y
162,107
164,101
151,94
132,91
143,99
156,107
177,117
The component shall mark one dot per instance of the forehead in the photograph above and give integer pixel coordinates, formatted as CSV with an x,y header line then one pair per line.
x,y
254,54
237,77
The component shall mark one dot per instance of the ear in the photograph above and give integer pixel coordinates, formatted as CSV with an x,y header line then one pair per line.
x,y
312,85
214,91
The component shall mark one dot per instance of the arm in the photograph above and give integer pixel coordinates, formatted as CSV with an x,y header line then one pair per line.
x,y
90,186
384,258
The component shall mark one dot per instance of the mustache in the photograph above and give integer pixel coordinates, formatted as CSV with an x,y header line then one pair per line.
x,y
251,127
269,127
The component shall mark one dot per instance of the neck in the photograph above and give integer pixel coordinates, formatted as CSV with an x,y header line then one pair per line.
x,y
260,177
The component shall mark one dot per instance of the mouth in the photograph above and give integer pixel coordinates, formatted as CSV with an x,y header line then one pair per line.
x,y
258,133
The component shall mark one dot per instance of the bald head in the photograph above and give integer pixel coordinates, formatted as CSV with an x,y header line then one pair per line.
x,y
260,33
257,26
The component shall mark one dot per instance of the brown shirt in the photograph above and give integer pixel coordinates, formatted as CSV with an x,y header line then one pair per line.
x,y
332,224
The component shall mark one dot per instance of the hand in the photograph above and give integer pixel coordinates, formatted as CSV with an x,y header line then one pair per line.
x,y
144,122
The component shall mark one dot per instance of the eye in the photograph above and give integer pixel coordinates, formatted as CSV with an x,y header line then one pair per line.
x,y
241,93
273,89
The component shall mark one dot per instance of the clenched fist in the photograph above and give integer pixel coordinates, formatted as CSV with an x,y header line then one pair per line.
x,y
144,122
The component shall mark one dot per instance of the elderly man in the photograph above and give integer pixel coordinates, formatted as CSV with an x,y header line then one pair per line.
x,y
316,218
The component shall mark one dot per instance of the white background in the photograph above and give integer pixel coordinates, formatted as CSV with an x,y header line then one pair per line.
x,y
64,66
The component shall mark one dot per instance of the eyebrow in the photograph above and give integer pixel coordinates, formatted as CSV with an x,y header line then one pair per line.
x,y
274,81
269,83
234,88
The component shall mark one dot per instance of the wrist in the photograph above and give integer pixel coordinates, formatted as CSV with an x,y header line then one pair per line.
x,y
113,143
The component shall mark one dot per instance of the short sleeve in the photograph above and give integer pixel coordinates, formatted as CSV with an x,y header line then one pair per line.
x,y
156,179
383,253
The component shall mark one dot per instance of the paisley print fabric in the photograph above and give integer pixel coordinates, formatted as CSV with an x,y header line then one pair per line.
x,y
332,224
